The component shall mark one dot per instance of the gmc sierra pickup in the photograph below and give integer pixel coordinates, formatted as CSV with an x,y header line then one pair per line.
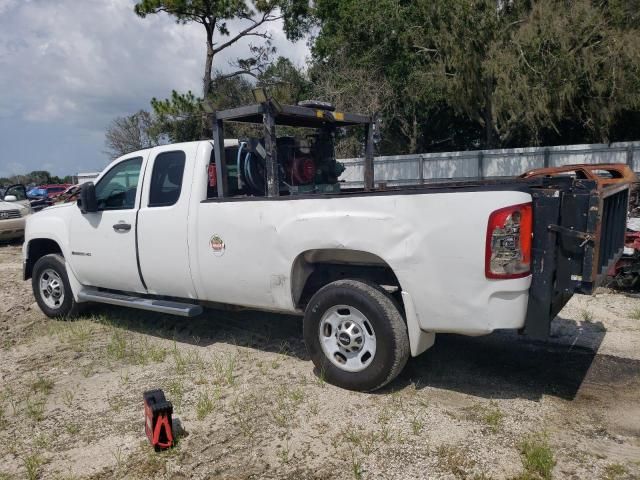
x,y
376,271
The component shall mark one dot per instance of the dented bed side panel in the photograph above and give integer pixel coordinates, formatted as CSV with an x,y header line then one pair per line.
x,y
434,243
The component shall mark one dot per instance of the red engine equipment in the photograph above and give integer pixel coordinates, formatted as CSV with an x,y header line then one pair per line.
x,y
303,170
213,175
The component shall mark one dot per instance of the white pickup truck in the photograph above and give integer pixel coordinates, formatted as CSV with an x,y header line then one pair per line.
x,y
376,272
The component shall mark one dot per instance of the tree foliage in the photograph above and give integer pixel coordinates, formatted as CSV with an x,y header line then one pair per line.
x,y
180,118
440,74
487,73
36,177
131,133
215,15
568,69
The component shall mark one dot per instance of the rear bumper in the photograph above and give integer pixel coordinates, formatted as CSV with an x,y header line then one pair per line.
x,y
479,310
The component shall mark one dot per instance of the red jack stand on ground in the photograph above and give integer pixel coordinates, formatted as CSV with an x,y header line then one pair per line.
x,y
158,422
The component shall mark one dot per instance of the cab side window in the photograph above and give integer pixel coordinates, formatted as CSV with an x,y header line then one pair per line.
x,y
166,179
117,189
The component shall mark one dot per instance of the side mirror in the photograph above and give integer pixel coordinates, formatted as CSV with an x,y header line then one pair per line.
x,y
87,201
10,198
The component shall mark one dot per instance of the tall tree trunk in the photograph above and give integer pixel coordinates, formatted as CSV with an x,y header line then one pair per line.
x,y
208,65
409,128
487,114
413,143
206,80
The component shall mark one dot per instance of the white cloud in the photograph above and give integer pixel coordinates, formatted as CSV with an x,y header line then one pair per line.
x,y
78,64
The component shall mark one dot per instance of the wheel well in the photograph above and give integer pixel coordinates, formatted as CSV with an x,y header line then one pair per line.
x,y
37,249
314,269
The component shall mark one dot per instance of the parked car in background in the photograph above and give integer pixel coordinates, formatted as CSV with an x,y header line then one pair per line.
x,y
46,195
69,195
38,198
14,208
49,191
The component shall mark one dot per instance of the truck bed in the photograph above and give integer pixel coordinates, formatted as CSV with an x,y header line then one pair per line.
x,y
578,232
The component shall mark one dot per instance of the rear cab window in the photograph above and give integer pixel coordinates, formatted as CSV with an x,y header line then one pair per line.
x,y
166,179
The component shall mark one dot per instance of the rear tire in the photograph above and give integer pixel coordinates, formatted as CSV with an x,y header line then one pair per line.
x,y
51,287
355,335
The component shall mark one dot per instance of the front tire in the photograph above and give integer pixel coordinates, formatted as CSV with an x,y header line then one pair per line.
x,y
51,287
355,335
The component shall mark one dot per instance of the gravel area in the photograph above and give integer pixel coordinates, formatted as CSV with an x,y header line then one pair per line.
x,y
251,406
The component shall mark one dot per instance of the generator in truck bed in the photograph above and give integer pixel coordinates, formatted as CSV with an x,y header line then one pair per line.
x,y
375,272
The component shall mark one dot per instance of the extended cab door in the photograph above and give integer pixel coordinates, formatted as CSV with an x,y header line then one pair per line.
x,y
103,243
163,220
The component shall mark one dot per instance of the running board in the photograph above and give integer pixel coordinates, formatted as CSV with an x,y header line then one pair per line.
x,y
153,305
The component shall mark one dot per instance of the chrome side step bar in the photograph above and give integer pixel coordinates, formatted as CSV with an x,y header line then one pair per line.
x,y
153,305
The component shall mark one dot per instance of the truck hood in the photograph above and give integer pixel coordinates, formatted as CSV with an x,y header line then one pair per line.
x,y
56,207
46,212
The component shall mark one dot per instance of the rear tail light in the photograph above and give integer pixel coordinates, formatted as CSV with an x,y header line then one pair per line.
x,y
508,253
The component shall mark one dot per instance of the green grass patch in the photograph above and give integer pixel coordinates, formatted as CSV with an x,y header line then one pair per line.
x,y
204,406
489,415
586,315
76,335
187,360
32,464
455,460
72,428
35,408
128,348
537,458
175,389
224,368
42,385
614,471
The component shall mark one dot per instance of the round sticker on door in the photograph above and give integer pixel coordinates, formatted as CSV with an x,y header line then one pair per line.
x,y
217,245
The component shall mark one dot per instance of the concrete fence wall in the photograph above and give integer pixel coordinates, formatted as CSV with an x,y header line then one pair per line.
x,y
433,167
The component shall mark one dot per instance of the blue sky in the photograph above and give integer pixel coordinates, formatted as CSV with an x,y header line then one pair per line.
x,y
68,67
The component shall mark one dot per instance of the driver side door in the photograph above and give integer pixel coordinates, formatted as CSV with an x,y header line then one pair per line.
x,y
103,243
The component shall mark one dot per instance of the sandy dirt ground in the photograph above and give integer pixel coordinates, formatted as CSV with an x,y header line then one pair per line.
x,y
251,406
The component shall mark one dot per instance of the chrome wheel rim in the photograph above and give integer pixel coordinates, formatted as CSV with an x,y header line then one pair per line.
x,y
347,338
51,288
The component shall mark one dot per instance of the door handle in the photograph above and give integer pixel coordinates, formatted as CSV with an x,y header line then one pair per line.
x,y
122,227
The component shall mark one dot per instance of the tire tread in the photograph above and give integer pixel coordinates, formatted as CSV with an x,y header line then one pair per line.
x,y
73,309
